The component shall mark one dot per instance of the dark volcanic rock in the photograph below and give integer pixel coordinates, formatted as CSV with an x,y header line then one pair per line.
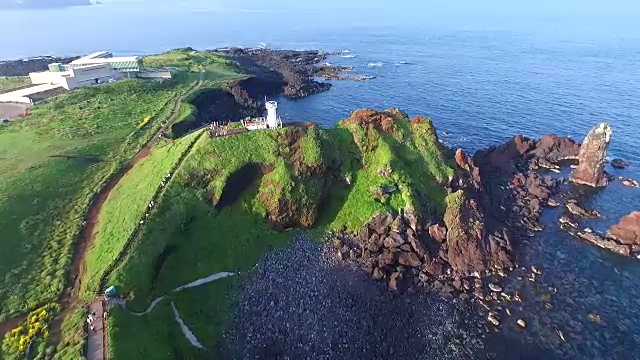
x,y
627,231
297,68
554,148
590,170
619,163
25,66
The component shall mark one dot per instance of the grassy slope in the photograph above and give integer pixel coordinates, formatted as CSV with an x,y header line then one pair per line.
x,y
201,241
43,198
8,83
215,66
126,206
417,170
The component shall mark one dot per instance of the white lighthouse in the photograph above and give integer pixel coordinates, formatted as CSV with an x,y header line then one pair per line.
x,y
273,121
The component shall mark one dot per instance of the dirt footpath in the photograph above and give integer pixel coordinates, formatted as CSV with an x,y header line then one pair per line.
x,y
10,110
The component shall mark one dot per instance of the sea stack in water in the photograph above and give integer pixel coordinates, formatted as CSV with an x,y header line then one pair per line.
x,y
590,170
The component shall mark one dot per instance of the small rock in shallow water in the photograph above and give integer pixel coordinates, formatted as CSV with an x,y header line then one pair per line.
x,y
493,319
535,270
619,163
567,221
629,182
522,323
377,274
595,318
551,202
508,311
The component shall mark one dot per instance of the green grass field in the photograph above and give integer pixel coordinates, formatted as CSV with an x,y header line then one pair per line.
x,y
216,67
51,164
8,83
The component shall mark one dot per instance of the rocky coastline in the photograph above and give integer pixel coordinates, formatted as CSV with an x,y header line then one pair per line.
x,y
501,193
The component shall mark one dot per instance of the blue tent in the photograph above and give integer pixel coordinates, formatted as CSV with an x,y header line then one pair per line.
x,y
111,292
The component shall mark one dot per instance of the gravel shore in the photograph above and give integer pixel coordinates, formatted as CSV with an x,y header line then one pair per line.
x,y
300,304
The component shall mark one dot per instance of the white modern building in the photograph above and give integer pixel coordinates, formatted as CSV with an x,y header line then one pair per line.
x,y
97,68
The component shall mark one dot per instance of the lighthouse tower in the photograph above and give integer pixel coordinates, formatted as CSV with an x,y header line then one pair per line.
x,y
272,118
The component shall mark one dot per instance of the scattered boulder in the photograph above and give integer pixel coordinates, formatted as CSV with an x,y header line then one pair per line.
x,y
590,170
409,259
434,268
522,323
394,280
619,163
567,221
579,211
553,203
380,222
604,243
493,319
629,182
416,245
627,231
377,274
438,232
495,287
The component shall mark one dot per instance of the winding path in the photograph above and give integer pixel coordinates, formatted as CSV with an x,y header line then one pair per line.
x,y
70,297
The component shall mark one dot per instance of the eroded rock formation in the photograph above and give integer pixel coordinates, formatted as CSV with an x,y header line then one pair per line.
x,y
592,155
627,231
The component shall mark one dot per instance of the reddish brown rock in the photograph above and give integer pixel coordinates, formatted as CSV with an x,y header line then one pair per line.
x,y
416,245
590,170
380,222
438,232
387,258
435,267
377,274
409,259
393,281
627,231
461,158
554,148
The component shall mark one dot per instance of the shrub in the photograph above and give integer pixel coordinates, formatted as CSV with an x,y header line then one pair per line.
x,y
35,327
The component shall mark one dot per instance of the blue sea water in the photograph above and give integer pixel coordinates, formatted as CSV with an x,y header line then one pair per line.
x,y
482,79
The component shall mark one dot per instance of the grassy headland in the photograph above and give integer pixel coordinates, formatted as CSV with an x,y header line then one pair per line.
x,y
228,203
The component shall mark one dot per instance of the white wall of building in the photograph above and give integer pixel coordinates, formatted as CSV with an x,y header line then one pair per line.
x,y
78,77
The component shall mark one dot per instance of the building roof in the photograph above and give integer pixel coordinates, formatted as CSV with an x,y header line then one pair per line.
x,y
31,90
106,60
99,54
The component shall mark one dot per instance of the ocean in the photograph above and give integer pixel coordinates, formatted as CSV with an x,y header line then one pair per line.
x,y
482,79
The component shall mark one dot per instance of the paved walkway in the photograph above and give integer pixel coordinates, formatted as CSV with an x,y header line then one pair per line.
x,y
96,342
